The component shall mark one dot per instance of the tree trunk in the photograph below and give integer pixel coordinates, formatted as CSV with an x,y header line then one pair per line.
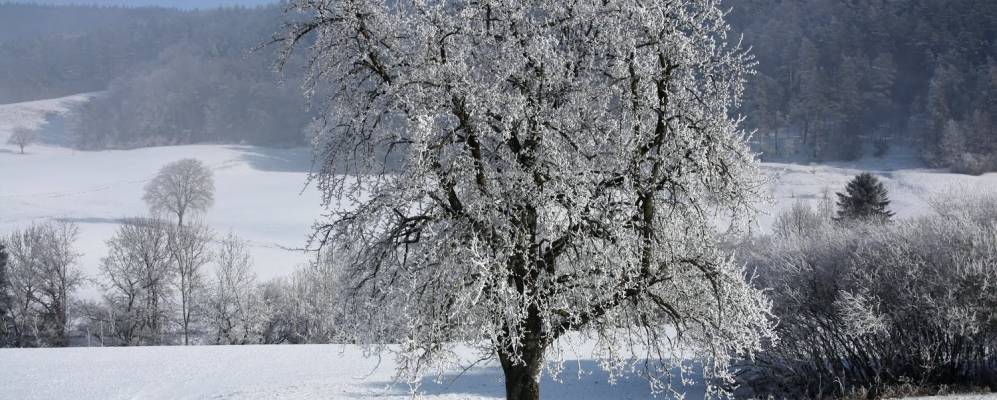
x,y
522,379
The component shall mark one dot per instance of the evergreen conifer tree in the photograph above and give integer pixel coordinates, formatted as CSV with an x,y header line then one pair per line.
x,y
865,198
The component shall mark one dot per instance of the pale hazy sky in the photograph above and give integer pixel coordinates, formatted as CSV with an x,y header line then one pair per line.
x,y
164,3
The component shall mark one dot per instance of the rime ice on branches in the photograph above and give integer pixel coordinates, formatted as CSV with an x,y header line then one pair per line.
x,y
517,171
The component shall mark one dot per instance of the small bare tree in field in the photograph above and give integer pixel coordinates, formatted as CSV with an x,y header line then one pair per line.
x,y
180,188
22,137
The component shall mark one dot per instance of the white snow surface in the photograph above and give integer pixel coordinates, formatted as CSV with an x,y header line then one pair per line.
x,y
35,114
911,186
293,372
261,195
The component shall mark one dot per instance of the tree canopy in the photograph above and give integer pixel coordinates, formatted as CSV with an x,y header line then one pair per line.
x,y
561,166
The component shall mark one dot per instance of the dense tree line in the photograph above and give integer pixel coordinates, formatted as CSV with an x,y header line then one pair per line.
x,y
167,76
36,282
167,278
841,79
165,284
836,79
48,51
209,86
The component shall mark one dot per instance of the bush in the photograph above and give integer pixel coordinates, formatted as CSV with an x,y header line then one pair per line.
x,y
871,308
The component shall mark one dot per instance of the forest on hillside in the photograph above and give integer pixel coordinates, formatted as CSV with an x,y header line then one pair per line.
x,y
166,76
844,79
835,80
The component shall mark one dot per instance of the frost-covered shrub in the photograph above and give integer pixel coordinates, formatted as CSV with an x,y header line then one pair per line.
x,y
867,308
799,220
300,308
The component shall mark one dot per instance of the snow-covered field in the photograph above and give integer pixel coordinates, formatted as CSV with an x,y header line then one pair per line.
x,y
295,372
261,195
35,114
260,192
292,372
910,185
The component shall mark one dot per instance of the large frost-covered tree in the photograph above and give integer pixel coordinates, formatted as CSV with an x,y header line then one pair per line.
x,y
516,171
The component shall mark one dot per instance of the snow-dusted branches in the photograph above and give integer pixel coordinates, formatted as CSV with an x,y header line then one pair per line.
x,y
43,274
138,272
22,137
181,187
874,307
559,167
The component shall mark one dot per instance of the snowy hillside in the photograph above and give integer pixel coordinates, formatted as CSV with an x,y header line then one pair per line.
x,y
260,192
261,196
296,372
35,114
910,186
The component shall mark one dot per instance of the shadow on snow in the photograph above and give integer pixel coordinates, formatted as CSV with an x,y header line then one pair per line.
x,y
580,380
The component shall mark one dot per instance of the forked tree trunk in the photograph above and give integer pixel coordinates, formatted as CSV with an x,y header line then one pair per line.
x,y
522,378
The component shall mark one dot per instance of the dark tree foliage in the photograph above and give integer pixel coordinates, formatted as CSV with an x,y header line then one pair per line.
x,y
865,199
167,77
836,79
843,79
5,300
48,51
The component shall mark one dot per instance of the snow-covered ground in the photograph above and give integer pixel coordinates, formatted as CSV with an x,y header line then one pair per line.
x,y
910,185
260,192
287,372
261,195
294,372
35,114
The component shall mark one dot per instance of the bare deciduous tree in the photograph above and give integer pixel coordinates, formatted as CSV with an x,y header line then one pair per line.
x,y
189,251
561,165
43,274
873,307
181,187
234,304
138,274
6,301
22,137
